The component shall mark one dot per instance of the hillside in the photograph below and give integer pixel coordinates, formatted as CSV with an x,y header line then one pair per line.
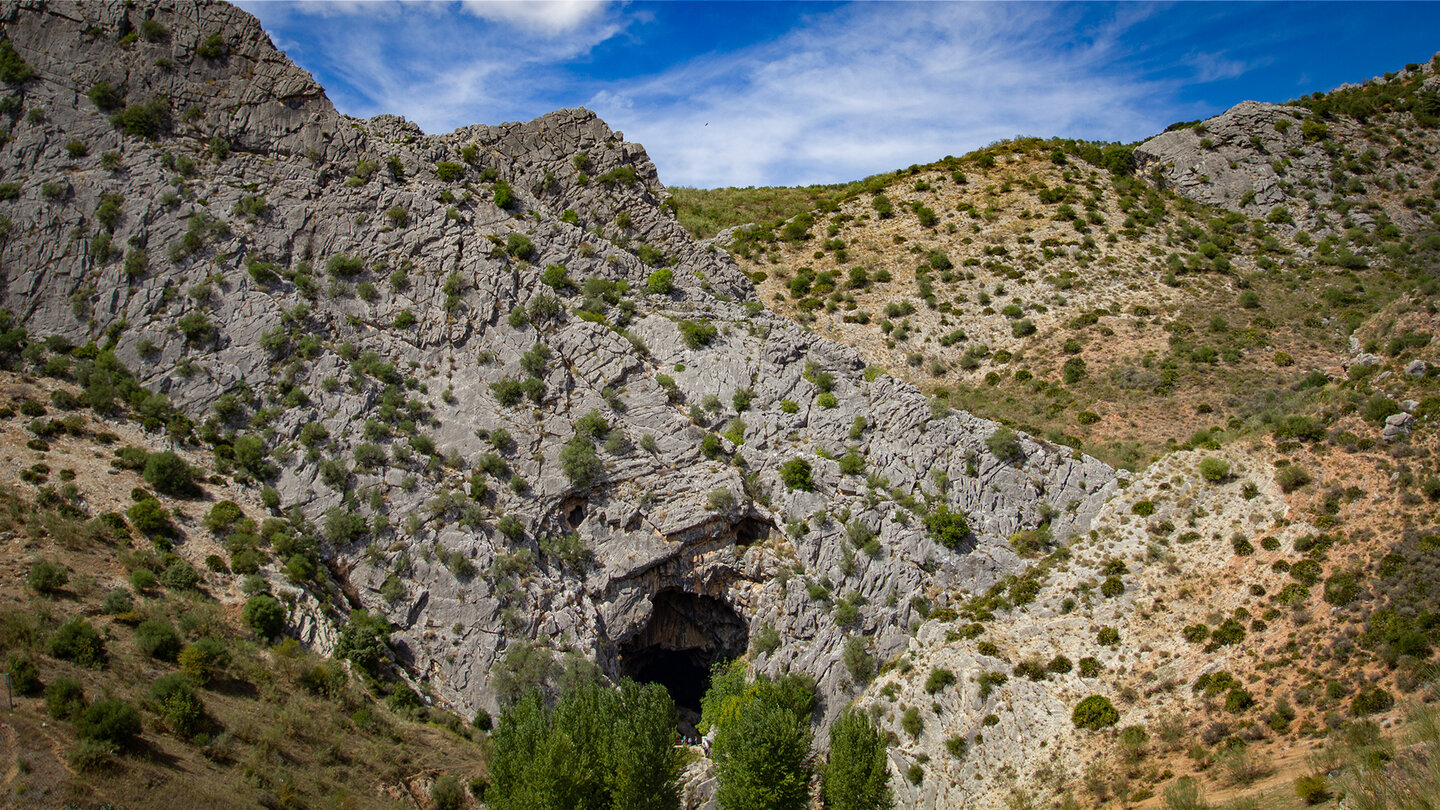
x,y
492,428
276,723
1254,289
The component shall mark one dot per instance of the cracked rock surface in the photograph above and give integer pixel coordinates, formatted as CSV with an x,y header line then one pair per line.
x,y
359,276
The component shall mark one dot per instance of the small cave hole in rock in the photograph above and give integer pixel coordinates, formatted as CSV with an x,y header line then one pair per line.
x,y
574,512
752,530
685,635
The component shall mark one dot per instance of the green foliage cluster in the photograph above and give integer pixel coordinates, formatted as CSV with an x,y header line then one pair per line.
x,y
856,776
1094,712
762,738
596,748
946,527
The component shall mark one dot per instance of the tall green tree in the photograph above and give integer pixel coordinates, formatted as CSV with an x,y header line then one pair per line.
x,y
598,748
645,763
762,738
763,757
857,775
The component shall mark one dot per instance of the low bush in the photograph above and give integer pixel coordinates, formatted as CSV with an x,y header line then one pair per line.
x,y
65,699
157,638
795,474
1214,469
46,577
264,615
1095,712
24,676
109,721
177,704
77,641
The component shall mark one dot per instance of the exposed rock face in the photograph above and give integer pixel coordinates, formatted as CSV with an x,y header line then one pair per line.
x,y
285,248
1256,156
1228,161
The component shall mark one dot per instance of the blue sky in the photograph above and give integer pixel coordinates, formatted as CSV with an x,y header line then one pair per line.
x,y
767,93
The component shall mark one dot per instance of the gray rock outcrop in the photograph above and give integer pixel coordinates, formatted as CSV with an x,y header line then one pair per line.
x,y
275,268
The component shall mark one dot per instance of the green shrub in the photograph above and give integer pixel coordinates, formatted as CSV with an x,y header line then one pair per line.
x,y
856,773
106,96
1229,632
143,579
153,31
64,699
203,660
939,679
177,704
795,474
46,577
13,68
197,328
149,518
1342,589
222,516
1313,789
519,246
1108,636
180,575
1292,477
109,721
1214,469
446,794
1112,586
77,641
1143,508
1005,445
946,527
504,195
579,461
1371,700
345,266
1094,712
697,334
148,120
661,282
116,602
1184,794
913,722
1238,700
24,676
213,47
264,615
169,474
157,638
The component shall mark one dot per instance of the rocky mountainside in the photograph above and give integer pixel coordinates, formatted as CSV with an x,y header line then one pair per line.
x,y
487,371
1241,310
498,421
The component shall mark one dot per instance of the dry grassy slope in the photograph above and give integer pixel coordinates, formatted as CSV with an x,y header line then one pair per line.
x,y
1180,567
1149,386
1008,248
271,741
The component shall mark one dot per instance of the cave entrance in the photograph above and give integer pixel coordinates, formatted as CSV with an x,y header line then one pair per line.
x,y
752,530
685,635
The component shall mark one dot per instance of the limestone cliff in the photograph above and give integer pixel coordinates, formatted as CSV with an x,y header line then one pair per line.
x,y
174,185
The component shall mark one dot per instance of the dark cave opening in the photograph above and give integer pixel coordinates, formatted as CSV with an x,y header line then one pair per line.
x,y
686,634
685,674
752,530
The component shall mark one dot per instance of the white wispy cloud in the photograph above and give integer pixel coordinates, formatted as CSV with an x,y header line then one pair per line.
x,y
878,86
436,66
546,16
852,90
